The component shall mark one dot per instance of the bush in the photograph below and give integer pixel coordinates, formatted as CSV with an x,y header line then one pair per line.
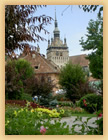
x,y
26,97
94,102
40,87
74,80
17,72
61,97
53,103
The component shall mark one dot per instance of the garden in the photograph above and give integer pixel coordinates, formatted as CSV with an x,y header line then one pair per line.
x,y
78,111
61,114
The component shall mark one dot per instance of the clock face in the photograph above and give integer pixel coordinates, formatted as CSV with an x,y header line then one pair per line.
x,y
57,53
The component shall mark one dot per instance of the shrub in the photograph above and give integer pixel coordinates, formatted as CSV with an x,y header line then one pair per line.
x,y
40,87
74,80
61,97
93,102
53,103
27,97
17,71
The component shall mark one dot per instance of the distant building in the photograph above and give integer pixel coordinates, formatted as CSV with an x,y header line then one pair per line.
x,y
57,51
41,65
80,60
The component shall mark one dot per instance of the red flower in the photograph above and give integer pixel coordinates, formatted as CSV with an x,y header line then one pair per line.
x,y
85,104
100,115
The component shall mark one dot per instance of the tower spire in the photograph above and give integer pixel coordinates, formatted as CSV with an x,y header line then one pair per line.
x,y
56,30
55,19
55,15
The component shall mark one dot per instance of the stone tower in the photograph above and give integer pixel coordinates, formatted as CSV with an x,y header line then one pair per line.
x,y
57,51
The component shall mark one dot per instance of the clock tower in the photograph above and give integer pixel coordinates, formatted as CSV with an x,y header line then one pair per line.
x,y
57,50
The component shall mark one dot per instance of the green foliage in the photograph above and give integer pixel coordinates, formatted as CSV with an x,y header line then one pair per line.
x,y
94,42
94,102
61,97
53,103
64,103
17,72
92,8
26,97
74,81
28,122
22,26
40,87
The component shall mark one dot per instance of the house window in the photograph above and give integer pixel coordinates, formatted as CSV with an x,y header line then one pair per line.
x,y
36,67
49,79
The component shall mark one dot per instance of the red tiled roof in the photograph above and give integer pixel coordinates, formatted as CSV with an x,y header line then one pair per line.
x,y
79,59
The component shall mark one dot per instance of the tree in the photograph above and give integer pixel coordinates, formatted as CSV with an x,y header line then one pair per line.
x,y
94,42
40,87
92,8
17,72
21,26
73,79
88,8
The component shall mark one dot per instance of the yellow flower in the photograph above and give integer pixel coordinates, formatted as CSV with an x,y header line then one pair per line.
x,y
28,104
39,114
62,111
32,110
54,110
21,110
26,110
15,113
50,115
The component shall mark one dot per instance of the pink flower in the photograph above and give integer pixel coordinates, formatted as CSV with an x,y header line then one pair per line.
x,y
100,115
42,130
57,106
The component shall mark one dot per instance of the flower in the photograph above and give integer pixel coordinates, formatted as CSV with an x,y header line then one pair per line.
x,y
62,111
54,110
85,104
22,110
57,106
15,113
32,110
39,114
50,115
28,104
42,130
100,115
84,100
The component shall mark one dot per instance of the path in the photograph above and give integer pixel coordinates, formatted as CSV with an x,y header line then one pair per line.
x,y
70,122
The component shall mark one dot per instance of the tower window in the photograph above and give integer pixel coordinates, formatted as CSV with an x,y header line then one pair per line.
x,y
61,54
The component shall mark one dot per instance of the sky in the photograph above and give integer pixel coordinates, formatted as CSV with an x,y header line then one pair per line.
x,y
72,23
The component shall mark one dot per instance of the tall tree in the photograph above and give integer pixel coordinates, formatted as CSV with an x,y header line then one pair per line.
x,y
21,26
94,42
73,79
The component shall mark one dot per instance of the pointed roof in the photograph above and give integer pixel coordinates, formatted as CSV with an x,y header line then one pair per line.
x,y
45,66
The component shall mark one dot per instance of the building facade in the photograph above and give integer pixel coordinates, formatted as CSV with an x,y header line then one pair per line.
x,y
42,66
57,51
